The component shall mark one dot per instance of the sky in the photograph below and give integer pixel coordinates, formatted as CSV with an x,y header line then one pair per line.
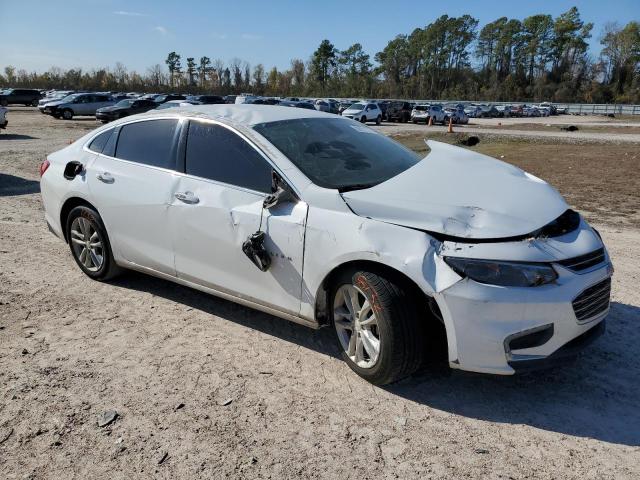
x,y
139,33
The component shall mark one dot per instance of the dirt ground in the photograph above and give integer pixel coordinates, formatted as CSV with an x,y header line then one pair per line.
x,y
206,389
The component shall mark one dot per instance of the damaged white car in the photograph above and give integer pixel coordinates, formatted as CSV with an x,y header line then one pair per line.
x,y
322,221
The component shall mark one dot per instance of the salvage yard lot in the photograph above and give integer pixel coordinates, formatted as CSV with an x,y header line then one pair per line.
x,y
225,391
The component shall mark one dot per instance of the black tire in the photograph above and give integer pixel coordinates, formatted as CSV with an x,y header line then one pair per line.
x,y
108,269
378,120
4,103
67,114
399,325
363,119
34,103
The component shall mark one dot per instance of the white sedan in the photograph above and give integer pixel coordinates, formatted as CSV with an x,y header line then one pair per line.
x,y
322,221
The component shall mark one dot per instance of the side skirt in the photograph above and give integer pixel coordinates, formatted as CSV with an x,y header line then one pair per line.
x,y
227,296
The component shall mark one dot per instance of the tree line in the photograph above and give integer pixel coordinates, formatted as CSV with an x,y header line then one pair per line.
x,y
533,59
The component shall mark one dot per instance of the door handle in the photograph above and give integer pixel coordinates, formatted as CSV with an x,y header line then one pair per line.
x,y
187,197
105,177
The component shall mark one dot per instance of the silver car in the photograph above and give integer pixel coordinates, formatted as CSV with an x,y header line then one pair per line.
x,y
78,104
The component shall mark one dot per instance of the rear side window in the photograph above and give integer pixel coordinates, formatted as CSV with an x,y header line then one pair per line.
x,y
217,153
150,142
98,143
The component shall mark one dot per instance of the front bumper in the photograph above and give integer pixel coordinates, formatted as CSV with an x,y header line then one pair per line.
x,y
485,319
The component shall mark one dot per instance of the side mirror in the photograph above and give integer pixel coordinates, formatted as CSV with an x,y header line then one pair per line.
x,y
280,192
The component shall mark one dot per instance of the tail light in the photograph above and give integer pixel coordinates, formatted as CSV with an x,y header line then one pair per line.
x,y
43,166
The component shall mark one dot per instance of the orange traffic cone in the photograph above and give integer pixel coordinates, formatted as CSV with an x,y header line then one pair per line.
x,y
431,121
450,130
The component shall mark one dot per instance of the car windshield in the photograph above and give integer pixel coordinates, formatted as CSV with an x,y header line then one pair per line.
x,y
125,103
357,106
338,153
6,92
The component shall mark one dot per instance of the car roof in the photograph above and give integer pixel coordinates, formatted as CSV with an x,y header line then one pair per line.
x,y
247,114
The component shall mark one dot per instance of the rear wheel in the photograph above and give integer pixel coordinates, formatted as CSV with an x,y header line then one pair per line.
x,y
89,244
4,103
377,326
34,103
378,120
67,114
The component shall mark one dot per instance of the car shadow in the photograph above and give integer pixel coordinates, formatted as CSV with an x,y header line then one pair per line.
x,y
596,396
11,185
16,136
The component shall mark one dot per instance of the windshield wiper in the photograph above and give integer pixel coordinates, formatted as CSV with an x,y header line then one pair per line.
x,y
356,186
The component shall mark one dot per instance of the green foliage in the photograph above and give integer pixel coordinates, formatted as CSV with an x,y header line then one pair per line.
x,y
533,59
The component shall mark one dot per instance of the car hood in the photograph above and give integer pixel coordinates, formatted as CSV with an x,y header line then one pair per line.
x,y
460,193
349,111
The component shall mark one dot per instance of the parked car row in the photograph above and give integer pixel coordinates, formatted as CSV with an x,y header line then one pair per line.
x,y
108,106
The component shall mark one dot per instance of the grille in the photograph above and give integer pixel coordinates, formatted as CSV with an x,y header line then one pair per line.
x,y
583,262
593,301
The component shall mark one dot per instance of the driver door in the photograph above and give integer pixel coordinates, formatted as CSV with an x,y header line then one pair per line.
x,y
218,204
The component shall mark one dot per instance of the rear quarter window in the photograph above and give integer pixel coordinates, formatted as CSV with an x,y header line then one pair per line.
x,y
98,143
148,142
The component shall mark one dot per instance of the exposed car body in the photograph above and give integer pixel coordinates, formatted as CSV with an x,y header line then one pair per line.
x,y
424,113
364,112
399,111
20,96
78,104
323,221
124,108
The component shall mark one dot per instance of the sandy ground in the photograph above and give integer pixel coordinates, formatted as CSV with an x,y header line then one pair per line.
x,y
204,388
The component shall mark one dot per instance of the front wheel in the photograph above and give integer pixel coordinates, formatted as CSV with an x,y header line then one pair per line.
x,y
67,114
363,119
378,120
377,326
89,244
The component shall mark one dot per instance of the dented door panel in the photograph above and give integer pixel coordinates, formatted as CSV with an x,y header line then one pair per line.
x,y
208,237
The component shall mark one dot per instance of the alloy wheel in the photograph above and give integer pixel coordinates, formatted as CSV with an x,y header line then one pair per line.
x,y
357,326
87,244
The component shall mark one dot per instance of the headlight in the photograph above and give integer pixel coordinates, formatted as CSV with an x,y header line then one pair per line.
x,y
506,274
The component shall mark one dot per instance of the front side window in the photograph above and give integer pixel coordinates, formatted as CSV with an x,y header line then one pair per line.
x,y
338,153
216,153
149,142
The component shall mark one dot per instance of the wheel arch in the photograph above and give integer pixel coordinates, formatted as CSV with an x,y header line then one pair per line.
x,y
435,328
68,205
324,289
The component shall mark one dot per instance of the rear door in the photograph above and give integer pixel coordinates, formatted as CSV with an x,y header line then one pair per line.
x,y
219,206
132,182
